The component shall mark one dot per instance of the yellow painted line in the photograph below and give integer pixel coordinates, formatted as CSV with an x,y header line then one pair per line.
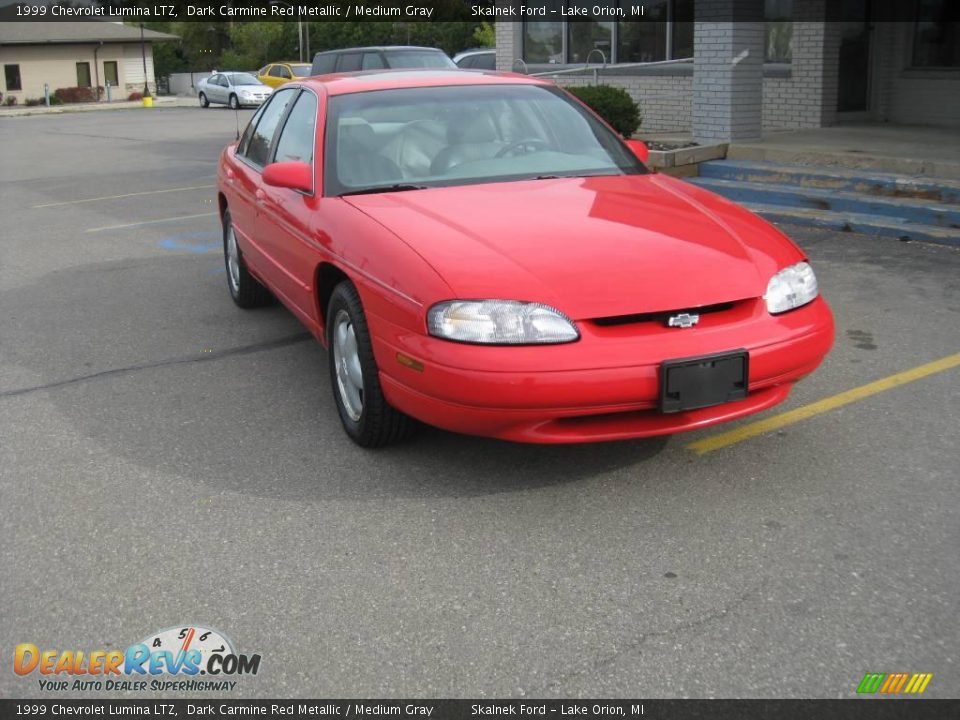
x,y
149,222
125,195
833,402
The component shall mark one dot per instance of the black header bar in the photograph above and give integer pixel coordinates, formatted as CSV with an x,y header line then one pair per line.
x,y
433,11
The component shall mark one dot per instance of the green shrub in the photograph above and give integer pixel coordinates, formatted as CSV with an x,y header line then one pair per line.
x,y
10,100
33,102
613,104
54,100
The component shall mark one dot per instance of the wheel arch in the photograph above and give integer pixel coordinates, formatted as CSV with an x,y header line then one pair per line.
x,y
326,277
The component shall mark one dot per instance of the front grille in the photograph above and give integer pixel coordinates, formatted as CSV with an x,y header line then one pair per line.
x,y
660,317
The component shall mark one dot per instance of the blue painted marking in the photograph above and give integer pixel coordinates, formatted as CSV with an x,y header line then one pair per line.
x,y
173,243
217,271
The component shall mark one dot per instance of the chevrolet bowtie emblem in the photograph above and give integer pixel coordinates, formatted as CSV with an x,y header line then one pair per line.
x,y
683,320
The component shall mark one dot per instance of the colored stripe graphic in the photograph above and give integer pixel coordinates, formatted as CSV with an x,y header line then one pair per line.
x,y
894,683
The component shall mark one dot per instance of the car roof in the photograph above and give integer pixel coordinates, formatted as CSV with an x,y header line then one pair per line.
x,y
381,48
369,80
288,62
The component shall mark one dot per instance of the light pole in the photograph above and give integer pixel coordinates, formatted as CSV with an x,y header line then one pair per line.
x,y
299,26
143,53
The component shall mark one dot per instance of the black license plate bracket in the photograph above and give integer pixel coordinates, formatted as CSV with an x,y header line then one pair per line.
x,y
700,382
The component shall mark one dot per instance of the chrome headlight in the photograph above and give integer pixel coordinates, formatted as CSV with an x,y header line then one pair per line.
x,y
790,288
500,322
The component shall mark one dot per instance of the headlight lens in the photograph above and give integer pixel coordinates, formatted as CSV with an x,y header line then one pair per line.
x,y
500,322
790,288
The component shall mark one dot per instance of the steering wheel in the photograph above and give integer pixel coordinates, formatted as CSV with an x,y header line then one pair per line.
x,y
528,145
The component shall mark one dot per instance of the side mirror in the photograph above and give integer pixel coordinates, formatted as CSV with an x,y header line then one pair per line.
x,y
639,149
293,175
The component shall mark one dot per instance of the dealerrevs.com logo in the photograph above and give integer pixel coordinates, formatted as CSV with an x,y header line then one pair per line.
x,y
168,660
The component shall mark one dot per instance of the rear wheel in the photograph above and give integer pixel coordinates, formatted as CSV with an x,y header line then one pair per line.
x,y
234,102
245,290
366,415
203,101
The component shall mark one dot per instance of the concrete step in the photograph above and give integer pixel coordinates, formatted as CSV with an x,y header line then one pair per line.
x,y
936,190
860,159
920,212
857,223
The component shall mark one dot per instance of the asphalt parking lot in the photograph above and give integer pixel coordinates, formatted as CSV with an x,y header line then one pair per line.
x,y
166,458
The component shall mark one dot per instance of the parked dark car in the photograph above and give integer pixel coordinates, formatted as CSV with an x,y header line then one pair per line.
x,y
379,58
476,59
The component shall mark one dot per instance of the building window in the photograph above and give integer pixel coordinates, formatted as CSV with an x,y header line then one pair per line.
x,y
936,35
645,41
543,41
778,30
83,74
589,40
110,73
665,33
12,75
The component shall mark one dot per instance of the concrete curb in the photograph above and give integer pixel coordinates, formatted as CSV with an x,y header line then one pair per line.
x,y
158,102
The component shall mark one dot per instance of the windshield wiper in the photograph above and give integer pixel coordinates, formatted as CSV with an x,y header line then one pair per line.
x,y
569,175
399,187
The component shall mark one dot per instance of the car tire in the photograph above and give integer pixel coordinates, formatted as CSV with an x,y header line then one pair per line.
x,y
234,102
368,419
203,101
245,290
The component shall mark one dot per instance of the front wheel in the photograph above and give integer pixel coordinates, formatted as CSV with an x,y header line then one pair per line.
x,y
234,102
244,288
203,101
366,415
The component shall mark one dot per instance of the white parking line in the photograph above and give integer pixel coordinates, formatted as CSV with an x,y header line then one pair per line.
x,y
125,195
149,222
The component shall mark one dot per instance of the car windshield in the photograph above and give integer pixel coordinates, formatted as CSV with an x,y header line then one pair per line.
x,y
456,135
301,70
243,79
418,59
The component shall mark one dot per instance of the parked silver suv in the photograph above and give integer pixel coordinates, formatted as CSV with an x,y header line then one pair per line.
x,y
379,58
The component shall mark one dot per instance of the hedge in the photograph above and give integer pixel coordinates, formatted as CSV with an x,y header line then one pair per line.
x,y
78,94
613,104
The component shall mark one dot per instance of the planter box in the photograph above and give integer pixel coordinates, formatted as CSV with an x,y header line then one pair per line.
x,y
684,161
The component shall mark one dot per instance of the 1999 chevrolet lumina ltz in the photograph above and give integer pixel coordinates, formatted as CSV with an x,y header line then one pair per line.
x,y
482,253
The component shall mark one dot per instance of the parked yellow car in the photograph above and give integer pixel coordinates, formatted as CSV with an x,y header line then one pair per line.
x,y
276,74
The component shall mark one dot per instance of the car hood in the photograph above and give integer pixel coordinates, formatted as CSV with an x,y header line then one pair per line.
x,y
591,247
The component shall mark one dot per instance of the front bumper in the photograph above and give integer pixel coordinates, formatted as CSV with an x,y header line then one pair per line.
x,y
603,387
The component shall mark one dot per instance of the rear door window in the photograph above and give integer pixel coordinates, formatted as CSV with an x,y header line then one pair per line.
x,y
349,62
323,64
373,61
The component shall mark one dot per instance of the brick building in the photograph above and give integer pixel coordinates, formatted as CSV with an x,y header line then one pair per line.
x,y
784,64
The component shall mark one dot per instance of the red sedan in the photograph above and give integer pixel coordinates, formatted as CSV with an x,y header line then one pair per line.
x,y
481,252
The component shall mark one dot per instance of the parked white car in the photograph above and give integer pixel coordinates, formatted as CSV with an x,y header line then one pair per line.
x,y
235,89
